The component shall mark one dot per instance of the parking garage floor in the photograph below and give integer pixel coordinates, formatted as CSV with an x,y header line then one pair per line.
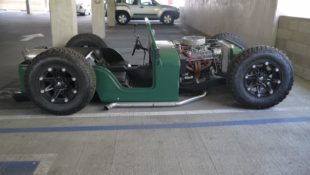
x,y
211,136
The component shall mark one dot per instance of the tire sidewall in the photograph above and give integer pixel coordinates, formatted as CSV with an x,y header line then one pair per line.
x,y
86,39
83,81
280,61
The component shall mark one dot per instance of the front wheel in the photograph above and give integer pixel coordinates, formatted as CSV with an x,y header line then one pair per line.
x,y
260,77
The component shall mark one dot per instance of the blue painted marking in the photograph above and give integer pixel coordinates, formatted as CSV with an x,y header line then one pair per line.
x,y
18,167
155,126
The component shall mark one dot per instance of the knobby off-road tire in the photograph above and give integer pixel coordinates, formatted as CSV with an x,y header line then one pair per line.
x,y
260,77
86,40
231,37
60,81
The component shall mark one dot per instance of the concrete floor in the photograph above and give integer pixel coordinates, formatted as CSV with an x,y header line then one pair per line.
x,y
211,136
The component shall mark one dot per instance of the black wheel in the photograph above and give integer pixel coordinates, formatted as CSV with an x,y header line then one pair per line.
x,y
86,40
232,38
60,81
122,18
260,77
167,18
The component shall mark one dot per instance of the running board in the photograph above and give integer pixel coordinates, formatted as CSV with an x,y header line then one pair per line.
x,y
153,104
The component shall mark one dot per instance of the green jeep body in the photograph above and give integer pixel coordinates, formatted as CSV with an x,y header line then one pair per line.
x,y
171,72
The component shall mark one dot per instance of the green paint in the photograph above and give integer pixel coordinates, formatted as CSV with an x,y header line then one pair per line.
x,y
165,80
235,51
166,71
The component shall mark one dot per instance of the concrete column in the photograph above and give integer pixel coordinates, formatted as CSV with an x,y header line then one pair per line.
x,y
28,7
98,17
111,13
63,21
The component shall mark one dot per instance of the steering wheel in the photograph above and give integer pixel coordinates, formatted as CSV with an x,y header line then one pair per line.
x,y
138,46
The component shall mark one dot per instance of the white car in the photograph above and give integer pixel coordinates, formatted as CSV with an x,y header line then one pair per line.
x,y
140,9
83,8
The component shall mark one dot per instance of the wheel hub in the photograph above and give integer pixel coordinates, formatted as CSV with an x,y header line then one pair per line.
x,y
263,79
58,85
122,18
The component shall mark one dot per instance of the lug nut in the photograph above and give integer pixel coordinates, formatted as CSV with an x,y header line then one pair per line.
x,y
49,69
63,69
41,78
254,66
266,63
52,100
74,91
277,70
66,100
42,91
73,79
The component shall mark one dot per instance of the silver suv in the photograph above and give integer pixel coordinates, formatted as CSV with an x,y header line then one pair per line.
x,y
139,9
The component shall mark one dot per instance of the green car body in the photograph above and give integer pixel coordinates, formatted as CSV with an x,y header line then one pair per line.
x,y
165,81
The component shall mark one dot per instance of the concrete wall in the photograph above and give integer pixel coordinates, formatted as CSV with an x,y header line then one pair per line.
x,y
294,39
254,20
35,5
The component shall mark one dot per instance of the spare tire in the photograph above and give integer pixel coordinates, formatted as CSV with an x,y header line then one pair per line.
x,y
60,81
232,38
86,40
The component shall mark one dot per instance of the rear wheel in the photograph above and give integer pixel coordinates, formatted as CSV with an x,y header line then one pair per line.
x,y
86,40
260,77
232,38
60,81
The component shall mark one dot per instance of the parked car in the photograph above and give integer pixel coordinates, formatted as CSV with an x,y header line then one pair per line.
x,y
127,10
83,8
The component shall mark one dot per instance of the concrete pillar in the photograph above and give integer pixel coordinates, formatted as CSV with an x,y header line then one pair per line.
x,y
28,7
63,21
98,17
111,13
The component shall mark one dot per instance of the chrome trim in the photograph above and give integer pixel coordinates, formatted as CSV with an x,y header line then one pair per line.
x,y
153,104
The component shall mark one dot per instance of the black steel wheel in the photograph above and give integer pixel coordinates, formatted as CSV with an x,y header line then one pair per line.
x,y
260,77
231,38
86,40
60,81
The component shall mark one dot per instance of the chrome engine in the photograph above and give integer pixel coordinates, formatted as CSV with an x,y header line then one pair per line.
x,y
201,58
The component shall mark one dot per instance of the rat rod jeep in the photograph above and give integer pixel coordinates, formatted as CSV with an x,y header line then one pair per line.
x,y
64,80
